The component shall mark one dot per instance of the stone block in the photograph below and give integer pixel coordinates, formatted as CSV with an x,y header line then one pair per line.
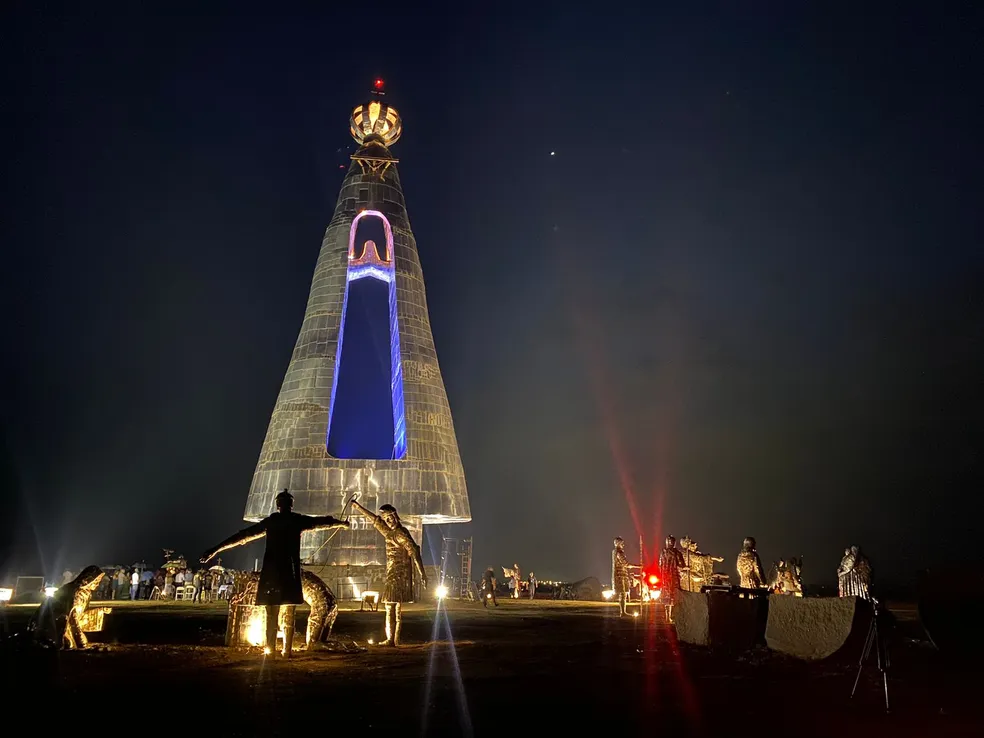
x,y
720,619
814,627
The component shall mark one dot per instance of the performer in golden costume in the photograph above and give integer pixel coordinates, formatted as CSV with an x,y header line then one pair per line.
x,y
854,574
402,557
750,574
671,566
699,564
58,620
621,580
280,577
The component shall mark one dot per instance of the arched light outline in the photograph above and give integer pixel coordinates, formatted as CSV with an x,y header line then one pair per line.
x,y
384,270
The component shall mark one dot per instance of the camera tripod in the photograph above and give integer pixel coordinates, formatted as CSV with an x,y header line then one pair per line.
x,y
874,639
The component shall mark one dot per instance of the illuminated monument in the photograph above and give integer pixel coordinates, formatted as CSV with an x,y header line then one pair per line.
x,y
351,419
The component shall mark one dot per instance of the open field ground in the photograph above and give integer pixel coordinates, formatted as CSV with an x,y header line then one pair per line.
x,y
517,669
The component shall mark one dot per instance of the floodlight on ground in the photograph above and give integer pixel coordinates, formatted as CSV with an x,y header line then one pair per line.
x,y
608,593
442,592
50,591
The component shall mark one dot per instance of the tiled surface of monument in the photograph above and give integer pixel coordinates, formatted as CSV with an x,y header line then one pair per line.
x,y
424,480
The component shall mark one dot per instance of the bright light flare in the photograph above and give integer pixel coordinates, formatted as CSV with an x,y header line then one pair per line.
x,y
50,591
256,630
608,593
6,593
635,614
378,84
488,596
653,579
442,592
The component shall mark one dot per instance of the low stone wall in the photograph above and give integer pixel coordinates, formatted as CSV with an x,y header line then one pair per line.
x,y
814,627
804,627
720,619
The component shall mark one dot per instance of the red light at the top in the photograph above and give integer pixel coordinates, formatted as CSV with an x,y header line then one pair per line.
x,y
378,84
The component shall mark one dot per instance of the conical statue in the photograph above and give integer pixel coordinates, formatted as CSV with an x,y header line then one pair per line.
x,y
316,441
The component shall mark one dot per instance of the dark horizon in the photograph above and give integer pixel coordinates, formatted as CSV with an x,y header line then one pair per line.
x,y
711,274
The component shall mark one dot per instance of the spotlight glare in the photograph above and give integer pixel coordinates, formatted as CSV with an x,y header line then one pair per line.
x,y
442,592
50,591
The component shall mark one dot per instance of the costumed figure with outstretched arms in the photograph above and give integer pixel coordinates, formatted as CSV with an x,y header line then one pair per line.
x,y
700,565
280,582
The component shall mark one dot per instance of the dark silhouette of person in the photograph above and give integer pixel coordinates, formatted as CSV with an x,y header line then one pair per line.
x,y
280,577
488,586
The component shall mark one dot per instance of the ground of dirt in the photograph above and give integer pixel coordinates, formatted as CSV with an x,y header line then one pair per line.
x,y
521,668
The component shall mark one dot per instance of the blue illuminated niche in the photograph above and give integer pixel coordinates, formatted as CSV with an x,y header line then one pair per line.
x,y
370,264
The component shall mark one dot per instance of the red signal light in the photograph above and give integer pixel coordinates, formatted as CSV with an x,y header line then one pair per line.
x,y
653,579
378,84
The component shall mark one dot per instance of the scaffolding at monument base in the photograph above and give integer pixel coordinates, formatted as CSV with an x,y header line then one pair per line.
x,y
456,567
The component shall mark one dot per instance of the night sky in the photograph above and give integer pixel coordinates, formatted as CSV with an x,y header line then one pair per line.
x,y
744,297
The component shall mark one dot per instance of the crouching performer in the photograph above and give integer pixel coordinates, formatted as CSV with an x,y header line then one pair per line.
x,y
280,578
58,621
621,581
402,557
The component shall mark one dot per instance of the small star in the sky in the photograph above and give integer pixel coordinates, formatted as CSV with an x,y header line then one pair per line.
x,y
553,153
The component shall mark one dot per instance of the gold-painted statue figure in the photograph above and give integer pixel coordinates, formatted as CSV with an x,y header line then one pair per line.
x,y
786,577
854,574
280,578
750,574
514,574
621,578
671,567
317,595
60,620
699,566
402,558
